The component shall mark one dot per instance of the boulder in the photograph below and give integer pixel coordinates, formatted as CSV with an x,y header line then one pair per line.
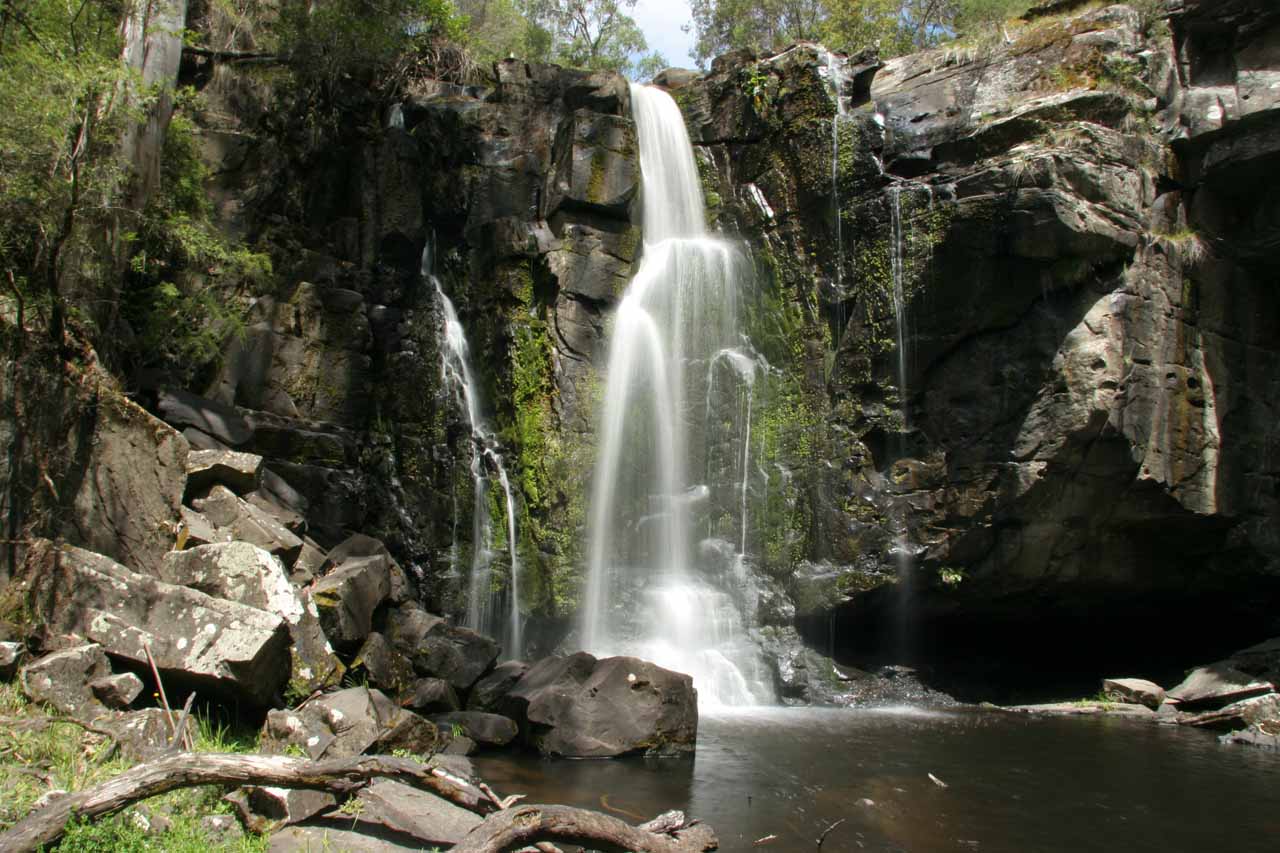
x,y
386,667
11,655
247,574
1134,691
432,696
408,732
1266,736
143,735
117,691
263,808
128,506
240,472
1215,685
1237,715
198,530
347,723
223,422
436,648
197,640
61,680
335,835
399,808
581,707
486,729
357,579
361,547
247,523
1261,661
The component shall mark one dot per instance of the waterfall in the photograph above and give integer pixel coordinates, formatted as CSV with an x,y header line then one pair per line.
x,y
904,551
455,373
645,594
836,70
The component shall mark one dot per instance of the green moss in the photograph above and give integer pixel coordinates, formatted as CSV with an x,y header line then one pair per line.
x,y
552,466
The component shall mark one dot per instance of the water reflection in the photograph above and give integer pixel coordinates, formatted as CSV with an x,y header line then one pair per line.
x,y
1012,783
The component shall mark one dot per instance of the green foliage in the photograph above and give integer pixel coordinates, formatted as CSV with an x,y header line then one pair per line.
x,y
595,34
374,43
184,273
892,27
66,97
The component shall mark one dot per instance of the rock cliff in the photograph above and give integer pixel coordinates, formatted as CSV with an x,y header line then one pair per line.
x,y
1014,299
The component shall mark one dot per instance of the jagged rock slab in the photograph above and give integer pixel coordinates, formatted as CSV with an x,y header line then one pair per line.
x,y
338,837
436,648
489,692
128,508
143,735
1264,736
347,723
387,668
247,523
11,656
581,707
225,423
117,691
1246,712
249,575
1086,709
240,472
195,638
62,680
1217,684
198,530
1136,691
433,696
400,808
262,808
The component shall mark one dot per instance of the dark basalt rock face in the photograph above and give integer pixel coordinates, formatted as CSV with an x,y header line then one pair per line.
x,y
1083,224
1076,230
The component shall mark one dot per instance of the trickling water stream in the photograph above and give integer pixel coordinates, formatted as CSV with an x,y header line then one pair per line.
x,y
455,369
645,594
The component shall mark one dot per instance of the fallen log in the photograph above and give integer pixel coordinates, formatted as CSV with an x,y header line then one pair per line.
x,y
530,824
45,826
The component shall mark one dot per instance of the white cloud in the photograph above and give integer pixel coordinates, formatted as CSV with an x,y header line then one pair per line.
x,y
660,21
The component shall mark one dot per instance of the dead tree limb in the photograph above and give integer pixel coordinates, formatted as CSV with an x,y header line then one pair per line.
x,y
526,825
238,56
42,828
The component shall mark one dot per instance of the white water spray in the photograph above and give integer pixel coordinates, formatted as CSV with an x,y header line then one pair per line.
x,y
644,595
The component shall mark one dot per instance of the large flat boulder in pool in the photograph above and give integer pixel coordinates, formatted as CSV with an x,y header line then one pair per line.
x,y
581,707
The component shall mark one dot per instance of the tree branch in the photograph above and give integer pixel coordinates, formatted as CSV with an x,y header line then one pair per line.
x,y
526,825
43,828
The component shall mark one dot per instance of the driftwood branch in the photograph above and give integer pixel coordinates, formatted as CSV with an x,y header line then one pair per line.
x,y
527,825
239,56
44,827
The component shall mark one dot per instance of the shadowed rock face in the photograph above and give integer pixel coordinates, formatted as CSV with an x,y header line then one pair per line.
x,y
1084,224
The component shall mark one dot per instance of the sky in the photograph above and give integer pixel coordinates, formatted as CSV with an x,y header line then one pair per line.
x,y
660,21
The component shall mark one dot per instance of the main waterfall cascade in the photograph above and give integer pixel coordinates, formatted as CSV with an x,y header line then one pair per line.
x,y
484,603
677,363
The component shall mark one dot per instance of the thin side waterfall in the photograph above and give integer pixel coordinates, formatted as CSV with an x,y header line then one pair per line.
x,y
903,549
837,74
646,595
455,371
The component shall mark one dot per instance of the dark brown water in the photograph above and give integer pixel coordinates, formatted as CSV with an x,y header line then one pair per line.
x,y
1013,783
